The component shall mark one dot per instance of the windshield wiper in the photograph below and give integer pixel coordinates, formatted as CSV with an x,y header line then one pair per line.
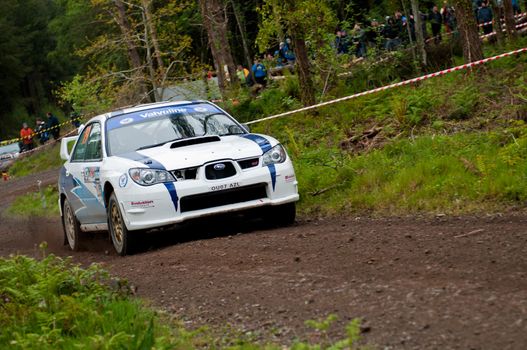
x,y
157,144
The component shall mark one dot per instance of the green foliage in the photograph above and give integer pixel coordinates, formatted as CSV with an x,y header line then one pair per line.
x,y
54,304
312,19
41,204
86,95
39,161
323,326
460,173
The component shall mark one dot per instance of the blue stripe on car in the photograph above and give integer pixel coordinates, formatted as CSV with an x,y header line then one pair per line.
x,y
154,164
265,146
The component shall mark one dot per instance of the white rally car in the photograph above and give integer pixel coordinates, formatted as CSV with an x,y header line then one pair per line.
x,y
159,164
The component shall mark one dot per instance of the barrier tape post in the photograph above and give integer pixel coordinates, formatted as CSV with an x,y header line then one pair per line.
x,y
383,88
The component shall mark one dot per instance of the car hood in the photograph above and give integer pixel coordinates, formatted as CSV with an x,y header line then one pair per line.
x,y
173,156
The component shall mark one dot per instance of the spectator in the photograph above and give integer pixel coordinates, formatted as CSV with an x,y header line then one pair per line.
x,y
400,24
75,119
341,42
259,72
373,33
476,4
516,7
242,74
53,125
26,134
359,41
436,20
485,16
411,23
40,130
449,19
280,55
391,34
288,52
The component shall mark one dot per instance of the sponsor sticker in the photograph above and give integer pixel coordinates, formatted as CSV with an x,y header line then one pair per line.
x,y
163,112
123,180
142,204
126,121
290,178
201,109
225,186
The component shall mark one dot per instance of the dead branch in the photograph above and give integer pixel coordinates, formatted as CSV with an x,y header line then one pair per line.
x,y
470,233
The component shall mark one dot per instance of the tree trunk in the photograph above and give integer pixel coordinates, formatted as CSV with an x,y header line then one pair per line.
x,y
153,35
133,54
419,35
405,11
149,59
498,25
468,31
126,29
307,91
241,28
510,23
215,22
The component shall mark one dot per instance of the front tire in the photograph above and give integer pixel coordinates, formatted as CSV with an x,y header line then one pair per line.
x,y
121,238
72,230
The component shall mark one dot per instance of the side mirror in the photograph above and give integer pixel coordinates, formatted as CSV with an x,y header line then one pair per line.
x,y
246,127
64,152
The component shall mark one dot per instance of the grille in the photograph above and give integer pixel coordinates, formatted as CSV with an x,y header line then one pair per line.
x,y
185,174
224,197
220,170
248,163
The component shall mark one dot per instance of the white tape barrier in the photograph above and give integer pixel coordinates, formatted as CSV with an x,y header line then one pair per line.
x,y
383,88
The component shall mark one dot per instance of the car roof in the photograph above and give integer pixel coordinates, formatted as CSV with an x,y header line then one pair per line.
x,y
142,107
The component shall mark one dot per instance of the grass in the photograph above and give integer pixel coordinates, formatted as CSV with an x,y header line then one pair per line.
x,y
49,158
53,304
36,203
462,173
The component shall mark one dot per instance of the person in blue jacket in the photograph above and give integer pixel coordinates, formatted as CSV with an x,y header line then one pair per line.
x,y
485,16
259,71
53,125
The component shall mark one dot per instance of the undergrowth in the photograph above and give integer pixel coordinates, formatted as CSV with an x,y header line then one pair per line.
x,y
53,304
42,203
48,158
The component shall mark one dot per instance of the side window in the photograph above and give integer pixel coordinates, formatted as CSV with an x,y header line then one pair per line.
x,y
93,149
89,145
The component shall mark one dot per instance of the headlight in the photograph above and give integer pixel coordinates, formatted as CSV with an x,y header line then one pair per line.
x,y
147,177
274,155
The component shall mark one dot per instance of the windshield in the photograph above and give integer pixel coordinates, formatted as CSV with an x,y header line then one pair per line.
x,y
155,127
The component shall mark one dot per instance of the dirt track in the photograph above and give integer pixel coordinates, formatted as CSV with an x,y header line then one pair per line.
x,y
448,283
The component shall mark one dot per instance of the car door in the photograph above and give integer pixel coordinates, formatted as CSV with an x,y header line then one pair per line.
x,y
86,196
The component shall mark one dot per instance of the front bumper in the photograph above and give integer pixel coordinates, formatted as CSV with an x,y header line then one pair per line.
x,y
146,207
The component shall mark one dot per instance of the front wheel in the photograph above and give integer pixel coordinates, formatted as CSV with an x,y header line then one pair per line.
x,y
121,238
71,226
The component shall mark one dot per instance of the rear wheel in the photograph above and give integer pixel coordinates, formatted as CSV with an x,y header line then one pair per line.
x,y
71,226
121,237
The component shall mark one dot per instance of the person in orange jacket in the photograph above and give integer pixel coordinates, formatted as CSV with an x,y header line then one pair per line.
x,y
26,134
